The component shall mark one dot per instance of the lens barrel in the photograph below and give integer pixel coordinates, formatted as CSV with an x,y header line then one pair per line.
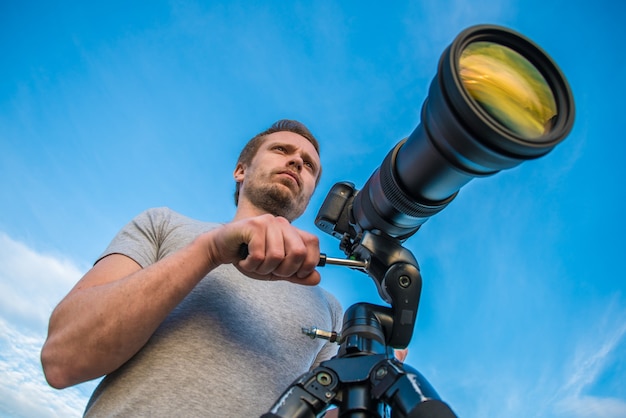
x,y
497,100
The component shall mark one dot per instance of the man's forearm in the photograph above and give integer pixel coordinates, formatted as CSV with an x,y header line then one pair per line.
x,y
113,311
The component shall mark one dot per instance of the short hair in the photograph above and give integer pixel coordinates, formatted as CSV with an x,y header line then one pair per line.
x,y
284,125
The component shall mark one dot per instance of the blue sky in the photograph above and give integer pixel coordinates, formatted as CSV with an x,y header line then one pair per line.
x,y
108,109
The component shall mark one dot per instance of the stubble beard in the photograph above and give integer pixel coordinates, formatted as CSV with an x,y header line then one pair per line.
x,y
277,200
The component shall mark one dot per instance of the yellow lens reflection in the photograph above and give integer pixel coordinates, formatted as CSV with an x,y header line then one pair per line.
x,y
509,88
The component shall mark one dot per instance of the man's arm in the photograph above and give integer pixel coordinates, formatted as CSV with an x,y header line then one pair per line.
x,y
115,308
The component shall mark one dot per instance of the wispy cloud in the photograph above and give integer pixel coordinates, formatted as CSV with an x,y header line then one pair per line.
x,y
23,390
595,354
30,285
592,407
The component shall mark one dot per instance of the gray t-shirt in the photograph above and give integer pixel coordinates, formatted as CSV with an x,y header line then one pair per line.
x,y
229,349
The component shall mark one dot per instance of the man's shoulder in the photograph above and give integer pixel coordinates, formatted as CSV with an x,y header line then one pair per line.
x,y
164,214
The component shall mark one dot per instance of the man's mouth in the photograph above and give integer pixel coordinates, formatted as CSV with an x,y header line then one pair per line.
x,y
293,175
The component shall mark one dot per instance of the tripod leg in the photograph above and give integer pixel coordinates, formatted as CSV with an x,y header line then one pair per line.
x,y
308,396
407,392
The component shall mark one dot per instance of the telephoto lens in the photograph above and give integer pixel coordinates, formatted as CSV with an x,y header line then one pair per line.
x,y
497,100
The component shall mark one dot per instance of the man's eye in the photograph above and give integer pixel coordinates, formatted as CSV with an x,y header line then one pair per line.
x,y
279,148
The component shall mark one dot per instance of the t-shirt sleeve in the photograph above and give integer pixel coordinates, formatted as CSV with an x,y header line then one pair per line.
x,y
142,238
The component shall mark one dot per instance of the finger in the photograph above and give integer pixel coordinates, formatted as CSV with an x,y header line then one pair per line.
x,y
255,250
275,249
401,354
312,279
279,251
312,257
295,254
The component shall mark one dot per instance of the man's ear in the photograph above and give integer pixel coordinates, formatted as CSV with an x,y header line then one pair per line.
x,y
239,172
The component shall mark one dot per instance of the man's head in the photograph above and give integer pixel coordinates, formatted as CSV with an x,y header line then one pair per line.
x,y
278,169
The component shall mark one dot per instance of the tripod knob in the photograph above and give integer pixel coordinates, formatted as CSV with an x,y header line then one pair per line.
x,y
315,332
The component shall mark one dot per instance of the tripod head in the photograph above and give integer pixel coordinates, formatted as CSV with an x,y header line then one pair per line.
x,y
396,273
393,268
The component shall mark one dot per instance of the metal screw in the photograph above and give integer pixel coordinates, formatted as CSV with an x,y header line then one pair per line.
x,y
324,379
380,373
405,281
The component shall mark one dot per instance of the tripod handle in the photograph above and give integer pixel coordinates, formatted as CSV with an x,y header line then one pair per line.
x,y
355,264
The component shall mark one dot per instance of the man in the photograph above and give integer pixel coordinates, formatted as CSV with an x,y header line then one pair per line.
x,y
171,316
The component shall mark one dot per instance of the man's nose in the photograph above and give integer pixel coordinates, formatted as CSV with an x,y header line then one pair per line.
x,y
296,162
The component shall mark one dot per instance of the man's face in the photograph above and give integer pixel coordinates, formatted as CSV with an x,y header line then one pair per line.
x,y
282,175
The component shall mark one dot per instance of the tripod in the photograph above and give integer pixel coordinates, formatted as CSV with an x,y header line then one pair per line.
x,y
364,377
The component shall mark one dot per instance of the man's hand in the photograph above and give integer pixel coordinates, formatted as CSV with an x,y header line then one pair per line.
x,y
276,249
